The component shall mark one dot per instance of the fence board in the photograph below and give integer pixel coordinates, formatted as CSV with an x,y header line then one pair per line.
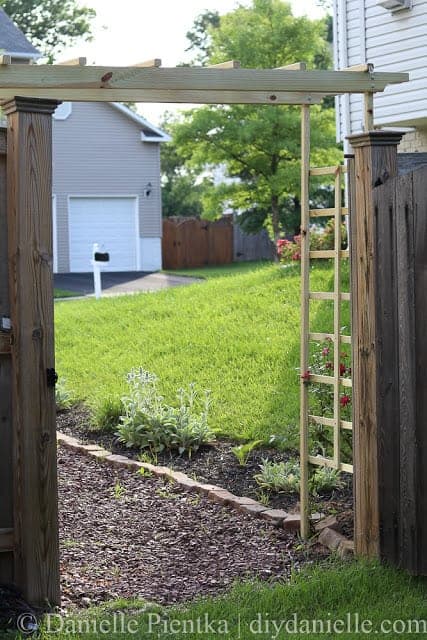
x,y
404,216
387,365
190,243
420,441
252,246
6,472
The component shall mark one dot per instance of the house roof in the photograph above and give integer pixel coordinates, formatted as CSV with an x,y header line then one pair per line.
x,y
13,41
149,133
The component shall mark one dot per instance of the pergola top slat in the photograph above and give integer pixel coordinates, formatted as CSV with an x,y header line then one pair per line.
x,y
184,84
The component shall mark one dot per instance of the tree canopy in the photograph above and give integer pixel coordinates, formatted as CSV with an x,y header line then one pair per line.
x,y
50,25
258,146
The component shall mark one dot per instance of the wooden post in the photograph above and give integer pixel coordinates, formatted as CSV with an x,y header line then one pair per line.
x,y
29,196
375,385
6,464
305,316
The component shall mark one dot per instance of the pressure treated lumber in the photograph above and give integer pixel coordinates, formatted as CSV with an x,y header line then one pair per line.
x,y
305,317
6,459
29,203
373,327
180,84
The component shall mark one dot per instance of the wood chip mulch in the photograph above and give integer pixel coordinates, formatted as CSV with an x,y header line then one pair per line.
x,y
125,535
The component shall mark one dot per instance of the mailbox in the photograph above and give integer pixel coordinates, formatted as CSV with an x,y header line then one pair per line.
x,y
99,256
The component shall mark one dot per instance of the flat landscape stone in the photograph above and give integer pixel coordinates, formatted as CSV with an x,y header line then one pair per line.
x,y
292,522
221,496
331,522
331,539
274,515
252,509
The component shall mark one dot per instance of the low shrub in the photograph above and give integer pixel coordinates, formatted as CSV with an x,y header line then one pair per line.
x,y
148,422
107,414
279,476
285,477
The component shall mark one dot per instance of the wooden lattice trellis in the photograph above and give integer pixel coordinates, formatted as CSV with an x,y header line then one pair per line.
x,y
337,296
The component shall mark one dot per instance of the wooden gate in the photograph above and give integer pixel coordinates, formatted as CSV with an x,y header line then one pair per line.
x,y
189,242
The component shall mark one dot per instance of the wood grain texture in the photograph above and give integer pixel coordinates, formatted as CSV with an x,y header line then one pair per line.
x,y
387,363
15,77
375,162
420,445
305,317
407,445
29,173
6,456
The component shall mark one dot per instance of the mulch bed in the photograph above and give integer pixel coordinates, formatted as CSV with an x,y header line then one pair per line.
x,y
218,465
124,535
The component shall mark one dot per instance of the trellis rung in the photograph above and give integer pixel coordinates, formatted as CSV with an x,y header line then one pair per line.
x,y
329,336
324,295
327,171
326,462
345,382
330,422
328,253
324,213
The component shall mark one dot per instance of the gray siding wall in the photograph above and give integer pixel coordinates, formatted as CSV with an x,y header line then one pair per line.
x,y
98,151
392,42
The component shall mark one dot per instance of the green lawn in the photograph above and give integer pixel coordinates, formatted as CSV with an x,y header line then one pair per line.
x,y
342,594
63,293
236,334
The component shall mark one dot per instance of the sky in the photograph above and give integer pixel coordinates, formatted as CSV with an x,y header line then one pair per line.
x,y
130,31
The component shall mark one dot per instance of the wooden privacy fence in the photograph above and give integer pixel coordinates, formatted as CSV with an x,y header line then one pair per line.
x,y
190,242
400,237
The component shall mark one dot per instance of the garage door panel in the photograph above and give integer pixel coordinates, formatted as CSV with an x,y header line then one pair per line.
x,y
111,222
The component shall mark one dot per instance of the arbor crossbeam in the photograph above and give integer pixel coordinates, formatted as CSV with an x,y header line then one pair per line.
x,y
183,84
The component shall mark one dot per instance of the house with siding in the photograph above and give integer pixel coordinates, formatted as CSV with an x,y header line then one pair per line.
x,y
391,34
106,179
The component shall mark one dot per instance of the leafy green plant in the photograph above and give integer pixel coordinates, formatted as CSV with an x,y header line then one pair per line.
x,y
106,415
243,451
325,479
119,490
62,395
285,477
279,476
149,423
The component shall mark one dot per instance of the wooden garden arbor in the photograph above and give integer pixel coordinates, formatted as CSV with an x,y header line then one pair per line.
x,y
29,555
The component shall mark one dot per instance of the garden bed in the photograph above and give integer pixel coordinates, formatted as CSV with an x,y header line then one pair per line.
x,y
123,535
218,465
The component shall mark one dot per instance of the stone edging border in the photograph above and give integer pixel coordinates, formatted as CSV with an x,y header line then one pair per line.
x,y
291,522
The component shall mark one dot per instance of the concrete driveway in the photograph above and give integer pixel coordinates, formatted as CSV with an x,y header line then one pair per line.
x,y
115,283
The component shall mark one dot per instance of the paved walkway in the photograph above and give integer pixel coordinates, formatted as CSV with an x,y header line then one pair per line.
x,y
114,283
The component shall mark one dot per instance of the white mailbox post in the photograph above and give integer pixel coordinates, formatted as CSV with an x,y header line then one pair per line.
x,y
98,258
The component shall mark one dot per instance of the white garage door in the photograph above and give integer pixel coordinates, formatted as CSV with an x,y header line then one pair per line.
x,y
112,223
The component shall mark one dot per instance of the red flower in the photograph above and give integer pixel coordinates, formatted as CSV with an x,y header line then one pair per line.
x,y
296,256
343,369
329,364
306,376
325,351
345,400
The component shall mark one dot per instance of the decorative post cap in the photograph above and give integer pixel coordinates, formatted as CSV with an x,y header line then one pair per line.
x,y
377,138
29,105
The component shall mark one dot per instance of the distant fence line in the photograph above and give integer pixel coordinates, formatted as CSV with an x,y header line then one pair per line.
x,y
190,242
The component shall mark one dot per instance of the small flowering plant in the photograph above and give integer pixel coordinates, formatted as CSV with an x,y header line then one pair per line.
x,y
321,396
289,250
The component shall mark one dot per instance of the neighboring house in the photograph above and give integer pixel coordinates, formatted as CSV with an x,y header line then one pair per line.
x,y
391,34
106,179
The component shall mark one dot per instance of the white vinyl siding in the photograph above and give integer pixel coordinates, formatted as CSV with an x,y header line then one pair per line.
x,y
110,222
392,42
